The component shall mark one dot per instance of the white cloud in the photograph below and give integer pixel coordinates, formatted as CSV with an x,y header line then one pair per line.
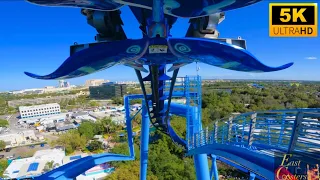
x,y
311,58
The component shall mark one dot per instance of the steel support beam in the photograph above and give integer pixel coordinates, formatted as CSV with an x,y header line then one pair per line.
x,y
229,135
252,128
214,168
144,138
295,132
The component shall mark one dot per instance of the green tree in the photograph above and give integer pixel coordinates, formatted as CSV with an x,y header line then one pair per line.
x,y
89,129
117,100
3,123
94,104
2,144
108,125
72,140
3,166
95,145
48,166
179,125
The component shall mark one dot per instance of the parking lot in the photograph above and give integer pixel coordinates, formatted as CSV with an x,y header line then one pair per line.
x,y
23,151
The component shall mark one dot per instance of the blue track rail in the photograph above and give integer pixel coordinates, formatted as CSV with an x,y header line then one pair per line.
x,y
252,141
75,168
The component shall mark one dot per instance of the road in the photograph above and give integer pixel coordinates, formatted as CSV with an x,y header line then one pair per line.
x,y
13,121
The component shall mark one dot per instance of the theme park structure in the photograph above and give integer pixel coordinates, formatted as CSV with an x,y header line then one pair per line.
x,y
152,54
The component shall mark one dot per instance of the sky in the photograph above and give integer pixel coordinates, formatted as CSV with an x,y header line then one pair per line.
x,y
37,39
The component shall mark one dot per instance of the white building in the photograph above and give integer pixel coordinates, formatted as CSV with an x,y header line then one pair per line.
x,y
35,165
28,135
39,110
53,119
19,138
12,140
63,83
94,82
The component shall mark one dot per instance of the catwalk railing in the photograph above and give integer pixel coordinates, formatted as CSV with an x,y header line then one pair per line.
x,y
296,130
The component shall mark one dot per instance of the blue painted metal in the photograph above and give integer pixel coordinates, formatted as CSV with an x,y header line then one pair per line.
x,y
75,168
194,125
180,50
271,127
144,138
252,176
201,161
201,166
245,158
229,162
179,8
214,168
295,132
129,126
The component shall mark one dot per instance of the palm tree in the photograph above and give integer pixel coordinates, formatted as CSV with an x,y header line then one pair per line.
x,y
48,166
108,125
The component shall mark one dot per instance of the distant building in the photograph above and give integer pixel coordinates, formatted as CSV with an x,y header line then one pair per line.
x,y
52,119
28,91
63,83
108,91
77,115
66,84
50,127
94,82
39,110
83,116
62,126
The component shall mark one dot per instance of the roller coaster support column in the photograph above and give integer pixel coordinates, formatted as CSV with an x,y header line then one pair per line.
x,y
200,160
144,138
214,168
129,126
202,168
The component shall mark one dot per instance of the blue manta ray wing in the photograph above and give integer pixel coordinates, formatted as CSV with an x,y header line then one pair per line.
x,y
97,58
192,8
219,54
107,5
177,8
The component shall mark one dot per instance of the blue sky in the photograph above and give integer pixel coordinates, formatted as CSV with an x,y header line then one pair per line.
x,y
37,39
